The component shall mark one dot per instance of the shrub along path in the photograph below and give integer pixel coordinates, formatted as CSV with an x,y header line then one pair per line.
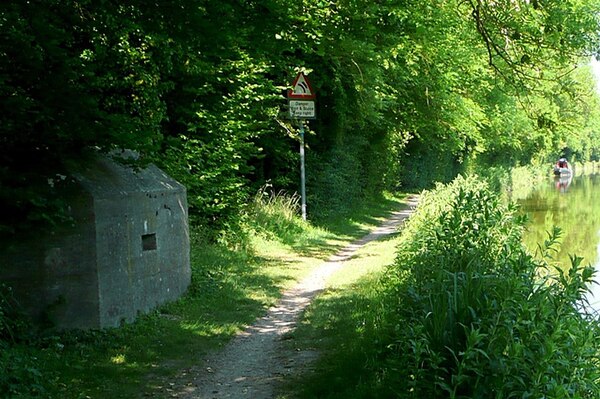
x,y
252,365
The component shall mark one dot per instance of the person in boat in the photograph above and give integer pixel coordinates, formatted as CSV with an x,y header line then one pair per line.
x,y
562,167
562,163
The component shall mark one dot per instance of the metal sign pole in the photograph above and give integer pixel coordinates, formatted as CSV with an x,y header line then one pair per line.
x,y
302,172
302,106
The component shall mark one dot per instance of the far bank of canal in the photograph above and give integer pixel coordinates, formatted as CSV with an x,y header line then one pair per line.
x,y
573,205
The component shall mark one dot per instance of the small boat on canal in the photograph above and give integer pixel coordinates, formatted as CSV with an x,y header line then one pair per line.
x,y
562,168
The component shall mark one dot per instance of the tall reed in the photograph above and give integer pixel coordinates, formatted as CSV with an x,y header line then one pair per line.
x,y
276,214
472,315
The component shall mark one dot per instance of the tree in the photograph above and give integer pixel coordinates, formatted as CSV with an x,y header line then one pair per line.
x,y
407,90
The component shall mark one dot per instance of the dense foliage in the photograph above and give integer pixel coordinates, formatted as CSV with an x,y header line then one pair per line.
x,y
409,92
474,315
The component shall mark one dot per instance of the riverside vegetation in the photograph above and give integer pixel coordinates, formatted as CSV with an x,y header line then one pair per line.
x,y
464,312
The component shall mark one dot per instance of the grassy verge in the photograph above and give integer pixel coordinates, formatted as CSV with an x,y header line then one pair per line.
x,y
230,288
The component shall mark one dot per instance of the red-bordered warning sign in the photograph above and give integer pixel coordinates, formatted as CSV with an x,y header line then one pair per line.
x,y
301,88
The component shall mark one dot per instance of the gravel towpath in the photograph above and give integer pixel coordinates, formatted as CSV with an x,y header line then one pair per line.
x,y
256,361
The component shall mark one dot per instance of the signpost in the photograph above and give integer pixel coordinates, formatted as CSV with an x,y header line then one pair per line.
x,y
302,109
301,100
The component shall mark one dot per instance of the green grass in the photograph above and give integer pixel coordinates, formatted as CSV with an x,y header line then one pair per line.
x,y
230,289
358,222
344,326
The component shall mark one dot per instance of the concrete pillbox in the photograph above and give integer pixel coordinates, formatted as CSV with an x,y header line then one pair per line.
x,y
127,251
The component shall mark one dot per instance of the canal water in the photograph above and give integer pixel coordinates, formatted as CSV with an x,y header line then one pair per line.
x,y
571,203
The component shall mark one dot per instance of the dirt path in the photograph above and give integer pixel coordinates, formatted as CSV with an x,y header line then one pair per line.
x,y
255,362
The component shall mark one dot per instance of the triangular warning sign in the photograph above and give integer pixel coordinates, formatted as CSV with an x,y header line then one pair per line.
x,y
301,88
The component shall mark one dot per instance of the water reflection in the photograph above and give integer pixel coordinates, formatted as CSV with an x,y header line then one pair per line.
x,y
569,203
562,183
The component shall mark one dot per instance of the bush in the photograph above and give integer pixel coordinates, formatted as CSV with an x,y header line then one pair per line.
x,y
14,325
20,376
476,316
335,182
19,373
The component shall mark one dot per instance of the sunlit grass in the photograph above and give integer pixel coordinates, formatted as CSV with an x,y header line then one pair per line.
x,y
118,359
341,324
370,259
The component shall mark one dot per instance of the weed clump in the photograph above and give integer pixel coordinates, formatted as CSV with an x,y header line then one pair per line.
x,y
472,314
275,214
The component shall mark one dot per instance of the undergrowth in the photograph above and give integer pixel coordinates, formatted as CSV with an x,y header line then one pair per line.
x,y
19,372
